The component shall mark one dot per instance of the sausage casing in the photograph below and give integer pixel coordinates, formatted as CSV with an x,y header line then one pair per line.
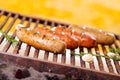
x,y
102,37
42,42
84,39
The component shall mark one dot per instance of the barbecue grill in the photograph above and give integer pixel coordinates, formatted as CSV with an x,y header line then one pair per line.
x,y
67,64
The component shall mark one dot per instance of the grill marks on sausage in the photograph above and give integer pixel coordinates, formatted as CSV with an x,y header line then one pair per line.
x,y
70,42
83,39
71,38
102,37
41,41
56,40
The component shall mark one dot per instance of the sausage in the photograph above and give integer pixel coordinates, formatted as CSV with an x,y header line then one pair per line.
x,y
84,39
42,42
70,42
87,40
102,37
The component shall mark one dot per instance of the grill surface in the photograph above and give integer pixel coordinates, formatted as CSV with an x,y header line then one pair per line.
x,y
25,55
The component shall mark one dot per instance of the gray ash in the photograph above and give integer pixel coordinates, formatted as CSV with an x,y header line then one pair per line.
x,y
13,72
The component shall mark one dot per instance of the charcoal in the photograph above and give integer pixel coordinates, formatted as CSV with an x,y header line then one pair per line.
x,y
3,77
18,74
25,73
22,73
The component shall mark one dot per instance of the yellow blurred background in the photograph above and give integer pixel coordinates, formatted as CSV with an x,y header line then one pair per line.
x,y
101,14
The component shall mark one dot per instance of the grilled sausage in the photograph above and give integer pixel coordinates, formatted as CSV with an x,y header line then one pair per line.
x,y
84,39
42,42
87,40
102,37
70,42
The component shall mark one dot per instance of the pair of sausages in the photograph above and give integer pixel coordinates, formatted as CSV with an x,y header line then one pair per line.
x,y
60,38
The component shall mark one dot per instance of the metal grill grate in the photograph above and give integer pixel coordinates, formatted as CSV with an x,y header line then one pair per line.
x,y
21,54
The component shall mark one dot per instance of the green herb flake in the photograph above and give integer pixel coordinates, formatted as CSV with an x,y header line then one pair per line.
x,y
9,38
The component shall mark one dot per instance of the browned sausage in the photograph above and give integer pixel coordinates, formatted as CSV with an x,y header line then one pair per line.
x,y
70,42
87,40
84,39
102,37
42,42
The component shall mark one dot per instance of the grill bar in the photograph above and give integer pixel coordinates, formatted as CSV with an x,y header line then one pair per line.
x,y
37,22
100,63
28,47
18,46
1,13
6,47
46,55
36,53
108,62
11,24
72,58
57,63
82,62
92,63
55,57
4,22
63,58
117,65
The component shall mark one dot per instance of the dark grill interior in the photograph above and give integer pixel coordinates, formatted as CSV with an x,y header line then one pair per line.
x,y
27,56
